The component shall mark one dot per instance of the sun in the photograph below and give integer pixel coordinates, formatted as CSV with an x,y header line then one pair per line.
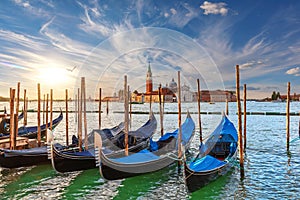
x,y
53,76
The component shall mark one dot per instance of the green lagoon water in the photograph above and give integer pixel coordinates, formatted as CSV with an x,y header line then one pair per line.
x,y
270,173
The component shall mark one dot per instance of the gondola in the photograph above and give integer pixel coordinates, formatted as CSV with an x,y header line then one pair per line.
x,y
69,160
31,131
215,158
158,155
31,155
4,123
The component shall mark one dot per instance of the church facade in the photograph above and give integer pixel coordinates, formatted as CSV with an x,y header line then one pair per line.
x,y
165,93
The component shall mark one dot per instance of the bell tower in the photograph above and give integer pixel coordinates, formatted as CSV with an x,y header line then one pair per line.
x,y
149,85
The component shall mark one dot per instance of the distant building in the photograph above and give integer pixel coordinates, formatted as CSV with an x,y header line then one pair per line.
x,y
111,99
167,95
294,97
217,96
186,94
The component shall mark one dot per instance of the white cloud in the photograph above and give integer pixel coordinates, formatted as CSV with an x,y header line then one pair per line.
x,y
173,11
294,71
182,15
25,4
214,8
251,64
46,25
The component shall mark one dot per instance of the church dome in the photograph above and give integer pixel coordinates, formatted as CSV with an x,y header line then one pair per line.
x,y
173,84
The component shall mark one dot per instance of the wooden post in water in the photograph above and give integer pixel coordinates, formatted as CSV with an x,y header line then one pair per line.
x,y
67,119
179,123
288,117
80,120
100,96
245,116
161,113
107,108
150,103
78,103
39,136
199,111
126,115
12,120
238,100
130,107
299,127
17,111
25,109
47,112
84,114
51,108
76,108
227,110
44,101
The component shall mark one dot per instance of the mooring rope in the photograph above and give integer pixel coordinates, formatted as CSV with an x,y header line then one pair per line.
x,y
295,139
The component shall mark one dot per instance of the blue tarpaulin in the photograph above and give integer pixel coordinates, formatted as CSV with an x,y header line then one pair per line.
x,y
206,163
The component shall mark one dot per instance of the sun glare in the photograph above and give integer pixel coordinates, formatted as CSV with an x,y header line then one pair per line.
x,y
53,76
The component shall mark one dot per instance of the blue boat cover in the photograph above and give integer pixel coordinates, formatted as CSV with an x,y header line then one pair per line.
x,y
82,153
206,163
146,155
224,132
186,129
142,156
229,129
25,152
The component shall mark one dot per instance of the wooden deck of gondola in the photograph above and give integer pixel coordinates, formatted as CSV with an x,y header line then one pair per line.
x,y
20,142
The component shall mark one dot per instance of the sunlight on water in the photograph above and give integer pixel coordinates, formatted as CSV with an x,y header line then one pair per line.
x,y
270,172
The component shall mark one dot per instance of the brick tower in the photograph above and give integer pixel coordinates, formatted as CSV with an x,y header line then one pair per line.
x,y
149,85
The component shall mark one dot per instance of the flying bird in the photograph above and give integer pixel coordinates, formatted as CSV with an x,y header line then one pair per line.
x,y
71,70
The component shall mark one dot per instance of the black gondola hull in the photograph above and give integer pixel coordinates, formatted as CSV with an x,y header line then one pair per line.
x,y
131,170
66,163
23,161
195,180
63,162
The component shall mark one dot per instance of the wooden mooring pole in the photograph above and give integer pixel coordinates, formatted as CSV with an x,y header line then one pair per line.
x,y
179,124
199,111
150,103
12,120
51,108
100,96
17,111
44,108
76,108
130,106
161,114
84,114
288,117
245,116
126,115
78,114
107,107
80,119
47,113
67,119
25,108
39,136
299,127
238,100
226,109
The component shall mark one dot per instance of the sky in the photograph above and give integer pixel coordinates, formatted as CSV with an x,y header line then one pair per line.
x,y
56,43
